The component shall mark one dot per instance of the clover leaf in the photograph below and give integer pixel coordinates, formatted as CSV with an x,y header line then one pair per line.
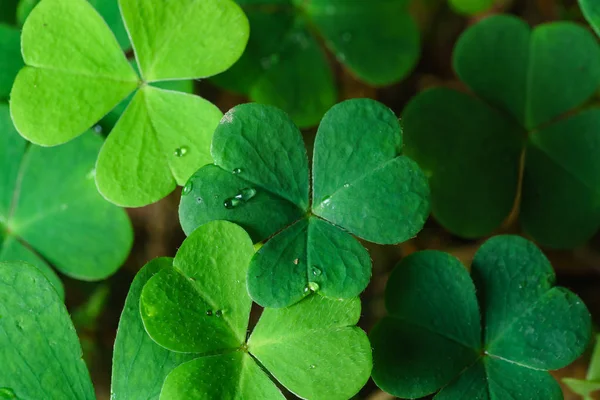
x,y
108,9
76,73
591,11
303,347
586,387
524,130
433,340
56,215
39,348
140,366
260,180
285,65
10,58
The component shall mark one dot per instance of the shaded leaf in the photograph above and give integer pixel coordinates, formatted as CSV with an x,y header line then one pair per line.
x,y
10,58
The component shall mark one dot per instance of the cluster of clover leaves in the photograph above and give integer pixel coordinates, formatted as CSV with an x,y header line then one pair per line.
x,y
184,329
286,66
526,136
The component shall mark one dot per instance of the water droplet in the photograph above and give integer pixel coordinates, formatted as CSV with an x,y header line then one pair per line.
x,y
306,290
199,200
346,37
236,171
187,188
231,202
97,129
7,393
313,286
180,151
243,196
296,261
316,271
219,313
346,185
326,201
312,366
209,313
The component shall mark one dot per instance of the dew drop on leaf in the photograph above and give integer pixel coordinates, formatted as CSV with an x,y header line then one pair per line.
x,y
209,313
236,171
7,393
241,197
231,202
316,271
312,366
98,129
313,286
219,313
296,261
180,151
188,187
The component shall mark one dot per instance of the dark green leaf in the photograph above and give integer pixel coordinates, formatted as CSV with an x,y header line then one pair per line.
x,y
476,150
140,366
431,340
56,213
40,352
10,58
362,184
591,11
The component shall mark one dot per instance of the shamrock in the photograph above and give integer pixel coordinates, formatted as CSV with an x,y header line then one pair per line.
x,y
200,305
433,340
260,180
39,348
56,215
586,387
286,66
76,73
514,142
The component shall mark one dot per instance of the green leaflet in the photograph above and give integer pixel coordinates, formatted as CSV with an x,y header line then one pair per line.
x,y
10,58
591,11
55,214
41,354
72,80
432,339
108,9
361,184
586,387
140,366
285,66
184,310
526,120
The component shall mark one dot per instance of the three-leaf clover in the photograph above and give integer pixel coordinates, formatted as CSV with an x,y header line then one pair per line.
x,y
285,65
76,73
478,151
591,11
433,339
39,348
586,387
361,185
200,305
51,211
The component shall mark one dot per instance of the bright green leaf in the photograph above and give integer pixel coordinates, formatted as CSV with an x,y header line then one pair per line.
x,y
431,340
284,65
140,366
162,138
71,79
41,354
586,387
362,184
184,309
56,214
161,32
476,150
10,58
591,11
108,9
